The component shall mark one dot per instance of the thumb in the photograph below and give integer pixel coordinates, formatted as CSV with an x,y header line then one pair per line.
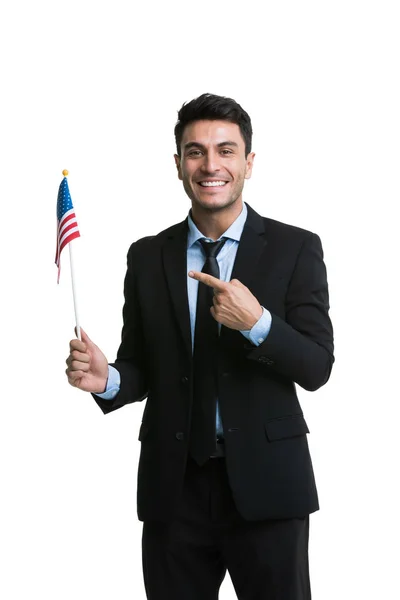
x,y
84,336
236,283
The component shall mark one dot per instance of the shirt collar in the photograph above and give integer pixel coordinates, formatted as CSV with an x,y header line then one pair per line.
x,y
233,232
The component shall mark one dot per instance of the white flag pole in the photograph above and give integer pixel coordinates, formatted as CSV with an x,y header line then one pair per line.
x,y
71,262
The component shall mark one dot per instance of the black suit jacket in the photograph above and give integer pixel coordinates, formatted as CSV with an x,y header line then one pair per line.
x,y
267,455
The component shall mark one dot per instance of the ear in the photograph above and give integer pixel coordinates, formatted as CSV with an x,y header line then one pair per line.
x,y
178,165
249,165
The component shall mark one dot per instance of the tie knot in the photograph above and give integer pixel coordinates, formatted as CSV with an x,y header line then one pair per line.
x,y
212,248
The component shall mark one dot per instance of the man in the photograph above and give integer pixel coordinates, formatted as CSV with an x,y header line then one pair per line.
x,y
225,479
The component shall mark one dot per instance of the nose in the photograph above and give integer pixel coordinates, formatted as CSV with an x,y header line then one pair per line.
x,y
210,163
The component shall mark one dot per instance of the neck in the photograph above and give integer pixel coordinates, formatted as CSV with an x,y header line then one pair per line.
x,y
213,224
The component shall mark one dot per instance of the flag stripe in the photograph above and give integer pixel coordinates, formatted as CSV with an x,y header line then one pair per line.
x,y
71,235
67,235
67,228
66,218
68,239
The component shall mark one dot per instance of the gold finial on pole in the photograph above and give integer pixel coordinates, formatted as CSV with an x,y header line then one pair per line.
x,y
65,172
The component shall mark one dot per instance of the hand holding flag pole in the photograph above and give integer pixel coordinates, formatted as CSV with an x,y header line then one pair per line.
x,y
67,230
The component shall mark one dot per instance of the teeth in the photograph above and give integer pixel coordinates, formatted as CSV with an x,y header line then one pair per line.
x,y
212,183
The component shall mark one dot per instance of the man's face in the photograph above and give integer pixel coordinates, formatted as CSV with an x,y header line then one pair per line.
x,y
213,164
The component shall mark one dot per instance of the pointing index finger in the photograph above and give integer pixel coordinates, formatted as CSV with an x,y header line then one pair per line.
x,y
209,280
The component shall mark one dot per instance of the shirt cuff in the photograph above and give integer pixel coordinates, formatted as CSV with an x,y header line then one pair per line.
x,y
113,384
260,330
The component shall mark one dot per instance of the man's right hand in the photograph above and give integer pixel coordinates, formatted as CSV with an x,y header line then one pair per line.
x,y
87,366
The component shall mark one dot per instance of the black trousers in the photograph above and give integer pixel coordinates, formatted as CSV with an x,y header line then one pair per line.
x,y
187,558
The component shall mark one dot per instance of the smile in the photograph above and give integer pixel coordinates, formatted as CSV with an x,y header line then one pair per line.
x,y
212,183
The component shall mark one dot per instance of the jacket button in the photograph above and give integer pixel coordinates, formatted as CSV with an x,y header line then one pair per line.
x,y
266,360
179,435
185,379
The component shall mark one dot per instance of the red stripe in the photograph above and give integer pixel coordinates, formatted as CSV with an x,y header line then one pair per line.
x,y
66,241
68,227
64,220
69,239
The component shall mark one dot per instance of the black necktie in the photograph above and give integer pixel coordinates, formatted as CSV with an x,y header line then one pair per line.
x,y
203,436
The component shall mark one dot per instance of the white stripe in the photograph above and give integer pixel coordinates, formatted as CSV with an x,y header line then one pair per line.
x,y
67,234
72,210
65,225
67,214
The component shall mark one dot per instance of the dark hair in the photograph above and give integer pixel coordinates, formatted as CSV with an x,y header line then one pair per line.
x,y
213,108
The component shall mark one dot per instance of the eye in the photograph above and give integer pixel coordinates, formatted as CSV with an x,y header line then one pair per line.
x,y
194,153
226,151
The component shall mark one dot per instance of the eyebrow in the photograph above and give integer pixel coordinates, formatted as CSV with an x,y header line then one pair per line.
x,y
198,145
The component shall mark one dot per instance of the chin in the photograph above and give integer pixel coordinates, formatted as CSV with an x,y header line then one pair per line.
x,y
212,205
216,204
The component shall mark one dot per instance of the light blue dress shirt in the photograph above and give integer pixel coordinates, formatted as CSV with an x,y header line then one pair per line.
x,y
195,262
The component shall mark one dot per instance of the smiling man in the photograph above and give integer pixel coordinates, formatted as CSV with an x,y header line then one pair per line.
x,y
223,314
214,164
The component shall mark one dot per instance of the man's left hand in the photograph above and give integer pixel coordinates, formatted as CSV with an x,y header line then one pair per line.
x,y
234,305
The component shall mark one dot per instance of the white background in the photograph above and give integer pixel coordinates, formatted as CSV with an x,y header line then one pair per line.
x,y
94,87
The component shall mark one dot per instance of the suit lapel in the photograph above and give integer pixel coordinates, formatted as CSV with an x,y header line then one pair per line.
x,y
175,266
251,246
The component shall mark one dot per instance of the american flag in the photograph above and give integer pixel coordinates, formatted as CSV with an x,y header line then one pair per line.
x,y
67,226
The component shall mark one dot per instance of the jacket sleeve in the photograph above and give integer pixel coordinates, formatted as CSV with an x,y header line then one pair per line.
x,y
130,360
300,346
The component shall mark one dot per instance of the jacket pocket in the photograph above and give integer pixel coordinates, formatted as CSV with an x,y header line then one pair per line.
x,y
143,431
286,427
